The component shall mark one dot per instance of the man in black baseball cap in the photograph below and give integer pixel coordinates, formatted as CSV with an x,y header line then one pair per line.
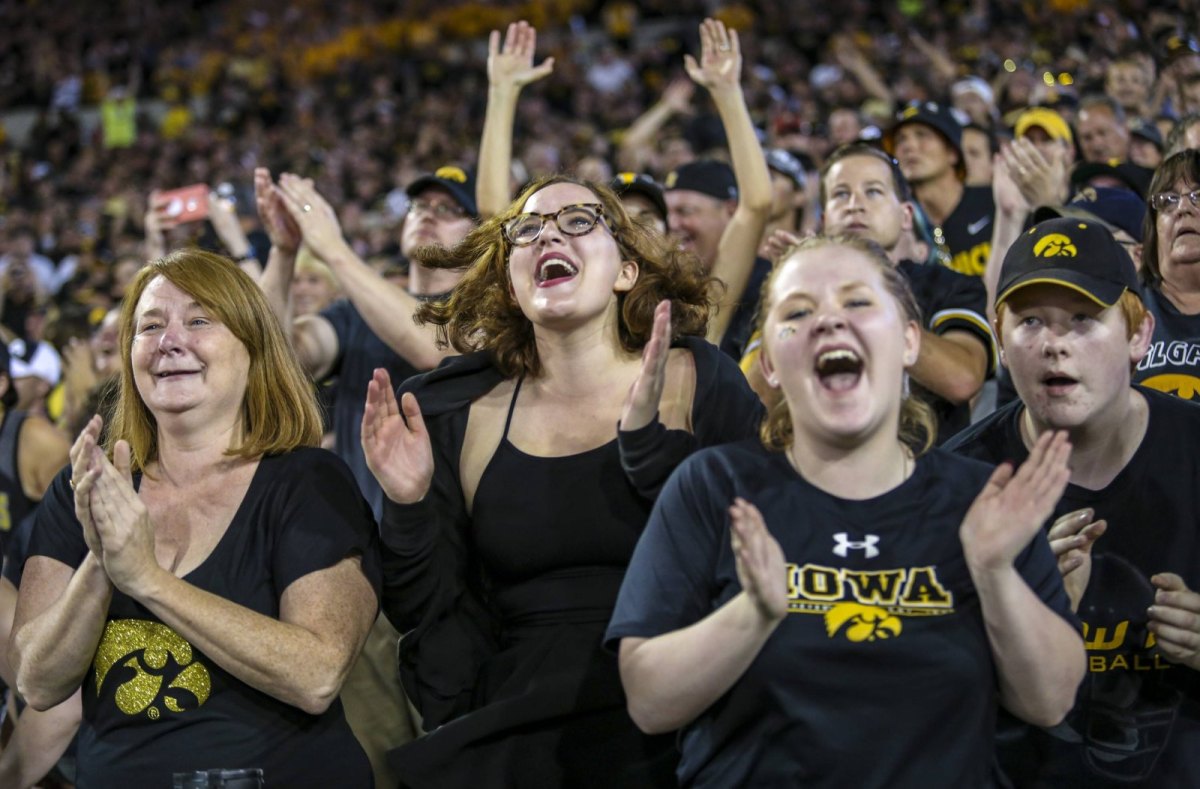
x,y
643,198
1120,211
1072,326
926,140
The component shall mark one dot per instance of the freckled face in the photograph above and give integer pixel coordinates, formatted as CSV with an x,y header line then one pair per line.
x,y
837,343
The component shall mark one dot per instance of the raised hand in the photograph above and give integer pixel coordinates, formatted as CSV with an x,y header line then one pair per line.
x,y
1042,180
123,523
641,405
720,65
396,447
273,213
511,65
1012,507
1006,194
315,218
777,243
759,558
1071,538
678,94
1175,620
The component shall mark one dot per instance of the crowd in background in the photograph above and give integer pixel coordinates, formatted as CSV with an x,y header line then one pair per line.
x,y
363,100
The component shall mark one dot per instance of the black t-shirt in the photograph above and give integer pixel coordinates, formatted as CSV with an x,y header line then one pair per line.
x,y
1172,364
881,674
1137,717
967,232
949,300
360,351
153,705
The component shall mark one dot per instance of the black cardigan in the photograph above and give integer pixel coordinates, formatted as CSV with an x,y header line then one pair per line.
x,y
433,592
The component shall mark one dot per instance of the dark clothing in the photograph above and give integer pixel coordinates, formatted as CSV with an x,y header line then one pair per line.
x,y
15,506
155,705
950,301
509,603
741,326
1136,720
1172,364
881,674
360,351
967,232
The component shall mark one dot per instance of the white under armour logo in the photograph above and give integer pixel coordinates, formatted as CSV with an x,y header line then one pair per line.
x,y
866,544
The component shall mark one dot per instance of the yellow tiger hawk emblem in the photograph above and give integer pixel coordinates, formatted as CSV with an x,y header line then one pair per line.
x,y
861,622
155,654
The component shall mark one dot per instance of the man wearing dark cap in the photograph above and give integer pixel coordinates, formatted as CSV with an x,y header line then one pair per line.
x,y
1119,211
1072,326
926,140
1114,174
1145,143
710,217
643,199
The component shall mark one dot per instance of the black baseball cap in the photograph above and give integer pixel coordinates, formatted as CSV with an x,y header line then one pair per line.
x,y
458,182
937,117
1117,208
1147,131
1070,252
1134,176
641,184
707,176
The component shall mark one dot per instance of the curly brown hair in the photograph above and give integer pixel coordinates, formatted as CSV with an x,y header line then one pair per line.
x,y
918,427
482,314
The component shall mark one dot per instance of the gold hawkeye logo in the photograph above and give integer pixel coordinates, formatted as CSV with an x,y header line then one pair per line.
x,y
144,655
1055,245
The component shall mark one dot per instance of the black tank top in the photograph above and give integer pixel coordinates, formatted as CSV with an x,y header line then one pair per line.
x,y
555,534
14,504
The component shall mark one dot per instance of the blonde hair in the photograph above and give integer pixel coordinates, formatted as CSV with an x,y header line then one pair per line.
x,y
279,409
918,426
308,263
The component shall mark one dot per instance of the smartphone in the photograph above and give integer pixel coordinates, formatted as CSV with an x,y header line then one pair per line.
x,y
185,204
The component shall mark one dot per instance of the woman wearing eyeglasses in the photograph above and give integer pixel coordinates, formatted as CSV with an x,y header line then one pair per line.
x,y
1171,271
514,508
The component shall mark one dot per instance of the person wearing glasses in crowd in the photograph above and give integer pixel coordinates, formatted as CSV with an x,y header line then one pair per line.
x,y
1171,276
836,603
514,505
343,344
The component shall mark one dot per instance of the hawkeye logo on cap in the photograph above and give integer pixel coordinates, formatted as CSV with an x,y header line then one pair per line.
x,y
627,178
672,177
451,173
1055,245
909,112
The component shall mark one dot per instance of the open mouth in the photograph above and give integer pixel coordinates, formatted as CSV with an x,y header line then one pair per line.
x,y
839,370
1057,383
554,269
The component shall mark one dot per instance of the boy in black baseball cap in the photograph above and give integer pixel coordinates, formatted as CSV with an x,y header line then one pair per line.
x,y
1072,326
